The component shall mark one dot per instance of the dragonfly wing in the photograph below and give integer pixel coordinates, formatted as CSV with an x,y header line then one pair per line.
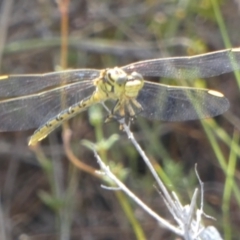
x,y
168,103
32,111
199,66
20,85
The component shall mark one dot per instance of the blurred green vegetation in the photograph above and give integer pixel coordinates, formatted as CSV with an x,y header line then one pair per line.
x,y
44,196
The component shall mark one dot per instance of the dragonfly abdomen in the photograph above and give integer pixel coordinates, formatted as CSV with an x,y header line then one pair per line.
x,y
44,130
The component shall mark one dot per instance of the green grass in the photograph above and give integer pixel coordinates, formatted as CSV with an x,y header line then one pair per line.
x,y
115,34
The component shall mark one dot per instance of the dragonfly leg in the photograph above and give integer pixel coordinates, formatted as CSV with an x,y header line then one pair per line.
x,y
124,109
130,110
136,104
115,110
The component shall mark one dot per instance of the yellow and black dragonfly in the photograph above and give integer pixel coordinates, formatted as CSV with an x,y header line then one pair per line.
x,y
45,101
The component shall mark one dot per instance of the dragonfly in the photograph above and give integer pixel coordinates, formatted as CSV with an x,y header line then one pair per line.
x,y
45,101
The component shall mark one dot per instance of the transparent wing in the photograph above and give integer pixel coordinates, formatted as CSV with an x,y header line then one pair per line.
x,y
31,111
20,85
200,66
167,103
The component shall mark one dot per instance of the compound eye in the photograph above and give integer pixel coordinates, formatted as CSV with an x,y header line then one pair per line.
x,y
122,79
117,75
136,76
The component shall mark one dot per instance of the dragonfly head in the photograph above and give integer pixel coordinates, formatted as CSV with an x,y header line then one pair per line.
x,y
116,75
